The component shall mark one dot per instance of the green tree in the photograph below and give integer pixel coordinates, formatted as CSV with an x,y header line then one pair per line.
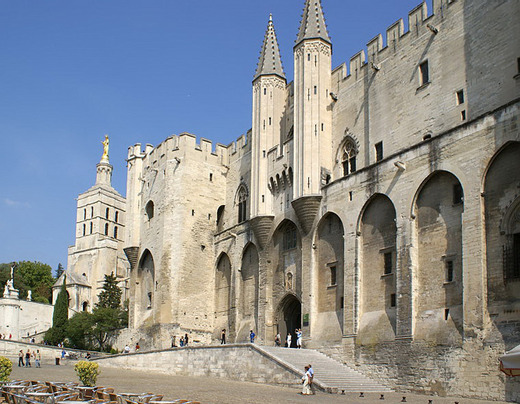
x,y
95,330
57,332
79,330
28,275
110,296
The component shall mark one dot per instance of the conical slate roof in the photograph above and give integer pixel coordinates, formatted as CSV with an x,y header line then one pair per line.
x,y
270,61
313,23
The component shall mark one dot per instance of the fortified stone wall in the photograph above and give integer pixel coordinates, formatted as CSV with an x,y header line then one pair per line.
x,y
232,362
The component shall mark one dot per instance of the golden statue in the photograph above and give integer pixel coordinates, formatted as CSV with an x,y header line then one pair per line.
x,y
105,142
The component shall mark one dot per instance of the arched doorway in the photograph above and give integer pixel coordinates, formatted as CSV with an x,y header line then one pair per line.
x,y
289,317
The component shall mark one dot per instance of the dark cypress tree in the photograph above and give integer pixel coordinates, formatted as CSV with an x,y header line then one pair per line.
x,y
110,296
59,271
57,332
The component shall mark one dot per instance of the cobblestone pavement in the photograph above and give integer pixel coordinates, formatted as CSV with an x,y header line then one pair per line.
x,y
218,391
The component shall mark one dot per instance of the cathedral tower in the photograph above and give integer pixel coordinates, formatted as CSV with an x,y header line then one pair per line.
x,y
269,92
312,116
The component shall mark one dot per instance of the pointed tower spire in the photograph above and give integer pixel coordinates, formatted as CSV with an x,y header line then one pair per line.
x,y
313,23
270,61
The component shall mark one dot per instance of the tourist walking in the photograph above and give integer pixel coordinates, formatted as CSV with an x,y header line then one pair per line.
x,y
298,338
289,340
28,359
20,359
185,339
223,337
252,336
181,342
38,358
307,383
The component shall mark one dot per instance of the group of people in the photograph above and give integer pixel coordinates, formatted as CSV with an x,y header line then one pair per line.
x,y
127,348
288,340
184,340
28,356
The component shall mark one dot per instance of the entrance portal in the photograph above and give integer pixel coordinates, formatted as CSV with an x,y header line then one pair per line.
x,y
289,318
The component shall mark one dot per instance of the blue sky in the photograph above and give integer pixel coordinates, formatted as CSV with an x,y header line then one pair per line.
x,y
72,71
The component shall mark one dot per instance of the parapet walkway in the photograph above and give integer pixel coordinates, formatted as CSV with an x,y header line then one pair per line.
x,y
330,375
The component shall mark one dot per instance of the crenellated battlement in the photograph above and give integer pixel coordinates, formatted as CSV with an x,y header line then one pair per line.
x,y
419,22
186,144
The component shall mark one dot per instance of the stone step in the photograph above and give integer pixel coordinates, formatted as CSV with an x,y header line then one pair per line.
x,y
327,371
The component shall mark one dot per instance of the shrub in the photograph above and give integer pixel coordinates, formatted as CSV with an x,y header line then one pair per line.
x,y
5,369
87,372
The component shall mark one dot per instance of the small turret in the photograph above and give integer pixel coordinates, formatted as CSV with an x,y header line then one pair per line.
x,y
313,24
270,61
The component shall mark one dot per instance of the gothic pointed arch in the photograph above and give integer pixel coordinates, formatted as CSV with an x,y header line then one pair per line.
x,y
145,281
285,264
502,226
329,273
248,292
288,317
223,293
438,209
377,233
242,203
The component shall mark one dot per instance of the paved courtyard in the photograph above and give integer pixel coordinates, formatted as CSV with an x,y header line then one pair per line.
x,y
216,391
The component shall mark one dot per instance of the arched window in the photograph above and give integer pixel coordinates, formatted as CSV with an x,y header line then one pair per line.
x,y
348,157
85,306
107,212
106,229
242,204
115,231
149,210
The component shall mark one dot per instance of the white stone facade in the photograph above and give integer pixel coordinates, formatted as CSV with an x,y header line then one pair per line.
x,y
375,205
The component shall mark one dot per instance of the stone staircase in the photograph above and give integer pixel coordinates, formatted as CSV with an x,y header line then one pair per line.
x,y
329,374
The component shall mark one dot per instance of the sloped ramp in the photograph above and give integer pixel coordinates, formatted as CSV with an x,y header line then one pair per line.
x,y
329,374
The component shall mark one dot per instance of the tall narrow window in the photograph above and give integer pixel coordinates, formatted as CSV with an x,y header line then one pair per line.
x,y
84,213
242,205
92,211
424,73
106,229
116,216
460,97
388,263
115,231
289,238
107,213
91,227
449,271
379,151
349,157
84,229
333,276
